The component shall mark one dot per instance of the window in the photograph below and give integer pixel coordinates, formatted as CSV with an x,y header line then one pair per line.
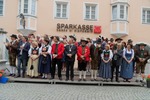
x,y
119,12
91,12
1,7
27,7
61,10
146,16
33,7
114,12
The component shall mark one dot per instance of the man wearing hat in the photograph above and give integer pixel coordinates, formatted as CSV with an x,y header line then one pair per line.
x,y
70,52
95,52
12,51
142,56
118,41
83,53
111,43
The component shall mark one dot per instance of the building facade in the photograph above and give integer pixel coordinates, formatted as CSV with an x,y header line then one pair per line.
x,y
128,19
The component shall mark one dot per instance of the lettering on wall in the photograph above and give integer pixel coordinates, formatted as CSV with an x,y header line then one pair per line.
x,y
76,28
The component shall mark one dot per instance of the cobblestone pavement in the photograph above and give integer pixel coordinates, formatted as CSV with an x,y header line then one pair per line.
x,y
25,91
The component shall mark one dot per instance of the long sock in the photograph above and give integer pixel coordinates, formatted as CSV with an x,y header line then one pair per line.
x,y
92,72
95,74
45,75
84,74
14,70
80,73
11,69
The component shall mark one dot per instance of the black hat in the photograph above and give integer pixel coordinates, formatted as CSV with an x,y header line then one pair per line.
x,y
111,39
129,41
71,36
14,36
118,39
84,40
98,41
142,44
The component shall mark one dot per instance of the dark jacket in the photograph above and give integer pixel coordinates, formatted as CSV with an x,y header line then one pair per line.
x,y
138,54
117,57
73,52
25,50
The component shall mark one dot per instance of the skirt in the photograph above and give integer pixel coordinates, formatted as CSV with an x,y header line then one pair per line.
x,y
33,72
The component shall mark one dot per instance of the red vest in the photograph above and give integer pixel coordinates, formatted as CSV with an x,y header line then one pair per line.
x,y
60,50
86,55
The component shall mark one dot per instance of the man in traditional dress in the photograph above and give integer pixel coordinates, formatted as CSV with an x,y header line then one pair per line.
x,y
12,51
95,52
70,52
57,55
142,55
83,53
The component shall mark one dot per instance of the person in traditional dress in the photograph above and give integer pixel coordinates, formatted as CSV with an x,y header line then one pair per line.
x,y
83,53
89,61
57,55
32,69
116,62
127,65
142,55
95,52
12,51
44,66
105,67
70,52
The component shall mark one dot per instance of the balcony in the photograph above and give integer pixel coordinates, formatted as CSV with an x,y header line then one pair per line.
x,y
119,28
30,25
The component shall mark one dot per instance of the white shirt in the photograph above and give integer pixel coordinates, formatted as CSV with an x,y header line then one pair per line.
x,y
110,55
30,51
126,50
49,49
22,46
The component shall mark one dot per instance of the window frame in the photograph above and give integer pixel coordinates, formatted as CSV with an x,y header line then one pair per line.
x,y
61,2
21,10
91,4
145,19
3,9
118,16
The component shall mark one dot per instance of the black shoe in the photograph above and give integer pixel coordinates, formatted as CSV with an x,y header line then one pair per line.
x,y
92,79
84,79
10,74
117,81
141,81
17,76
60,78
67,79
13,75
111,80
79,79
95,79
136,80
72,79
51,78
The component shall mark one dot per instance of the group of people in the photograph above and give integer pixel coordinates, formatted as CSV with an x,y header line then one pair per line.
x,y
35,56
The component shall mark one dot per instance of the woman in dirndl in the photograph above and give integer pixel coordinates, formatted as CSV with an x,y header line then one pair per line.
x,y
32,69
127,64
45,59
105,67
